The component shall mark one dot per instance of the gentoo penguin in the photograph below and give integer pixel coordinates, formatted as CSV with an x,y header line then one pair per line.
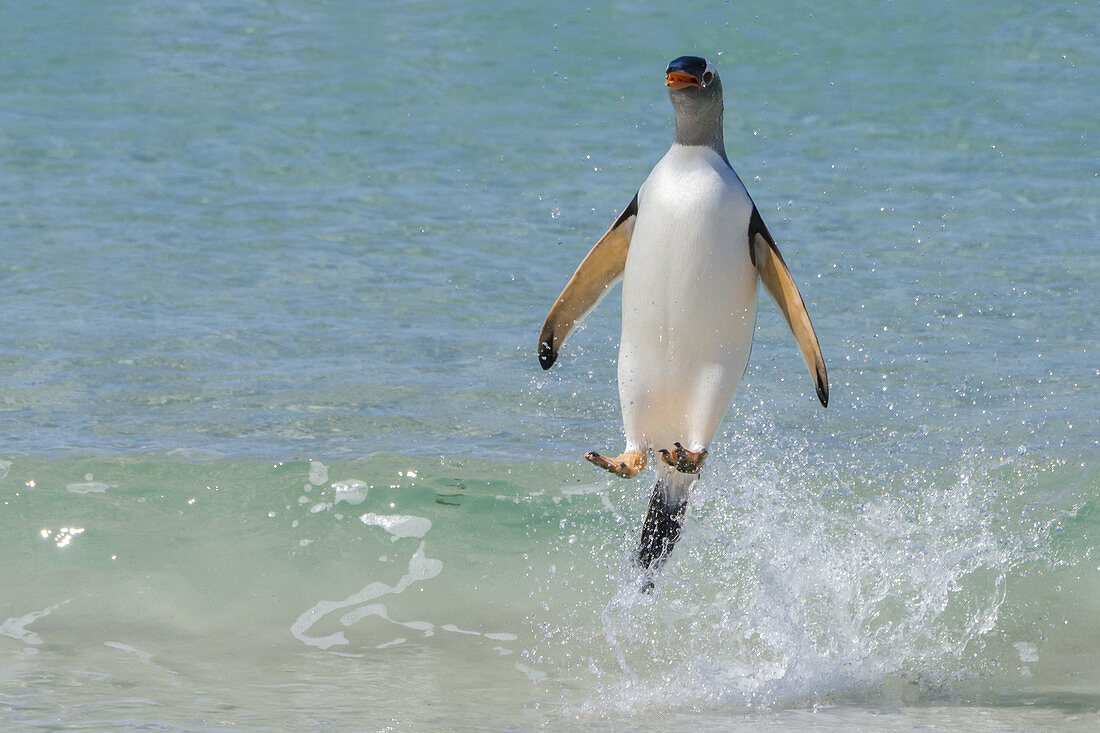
x,y
689,249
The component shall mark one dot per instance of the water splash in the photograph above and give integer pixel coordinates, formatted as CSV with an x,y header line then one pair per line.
x,y
798,580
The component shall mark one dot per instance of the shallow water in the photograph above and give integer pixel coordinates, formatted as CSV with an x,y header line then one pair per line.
x,y
280,456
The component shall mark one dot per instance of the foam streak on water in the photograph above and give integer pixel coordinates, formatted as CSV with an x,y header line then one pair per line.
x,y
420,568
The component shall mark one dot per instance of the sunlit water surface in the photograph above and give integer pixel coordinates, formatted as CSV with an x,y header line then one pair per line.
x,y
279,456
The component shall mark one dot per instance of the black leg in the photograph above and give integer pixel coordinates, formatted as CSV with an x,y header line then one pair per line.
x,y
661,529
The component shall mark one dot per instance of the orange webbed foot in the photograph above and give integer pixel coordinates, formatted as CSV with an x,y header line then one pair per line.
x,y
626,465
684,460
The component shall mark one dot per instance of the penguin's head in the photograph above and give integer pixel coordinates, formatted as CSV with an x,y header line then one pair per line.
x,y
690,72
696,94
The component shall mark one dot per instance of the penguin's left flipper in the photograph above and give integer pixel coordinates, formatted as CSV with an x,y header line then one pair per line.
x,y
777,279
684,460
595,276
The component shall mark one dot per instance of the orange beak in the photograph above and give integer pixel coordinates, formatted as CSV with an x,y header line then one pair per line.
x,y
680,80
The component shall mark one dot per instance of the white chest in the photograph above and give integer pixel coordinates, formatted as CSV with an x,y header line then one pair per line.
x,y
691,236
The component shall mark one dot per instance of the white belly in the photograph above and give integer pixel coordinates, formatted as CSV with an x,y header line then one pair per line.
x,y
689,301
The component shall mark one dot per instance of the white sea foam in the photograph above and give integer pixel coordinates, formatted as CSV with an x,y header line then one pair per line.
x,y
351,491
530,673
143,656
87,487
318,473
398,525
379,609
1029,653
421,568
16,628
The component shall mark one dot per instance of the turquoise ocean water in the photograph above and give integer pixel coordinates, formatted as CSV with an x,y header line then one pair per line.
x,y
277,453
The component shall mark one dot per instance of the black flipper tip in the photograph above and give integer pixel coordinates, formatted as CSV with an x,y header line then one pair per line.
x,y
823,391
547,354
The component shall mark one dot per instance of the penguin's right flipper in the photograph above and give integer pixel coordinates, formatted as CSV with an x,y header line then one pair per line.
x,y
597,273
777,279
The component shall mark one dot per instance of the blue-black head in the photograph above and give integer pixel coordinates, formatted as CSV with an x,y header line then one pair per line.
x,y
696,94
689,71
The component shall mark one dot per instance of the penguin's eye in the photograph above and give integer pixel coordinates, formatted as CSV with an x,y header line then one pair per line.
x,y
708,77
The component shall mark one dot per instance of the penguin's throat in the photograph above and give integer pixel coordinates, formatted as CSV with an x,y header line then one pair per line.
x,y
695,128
